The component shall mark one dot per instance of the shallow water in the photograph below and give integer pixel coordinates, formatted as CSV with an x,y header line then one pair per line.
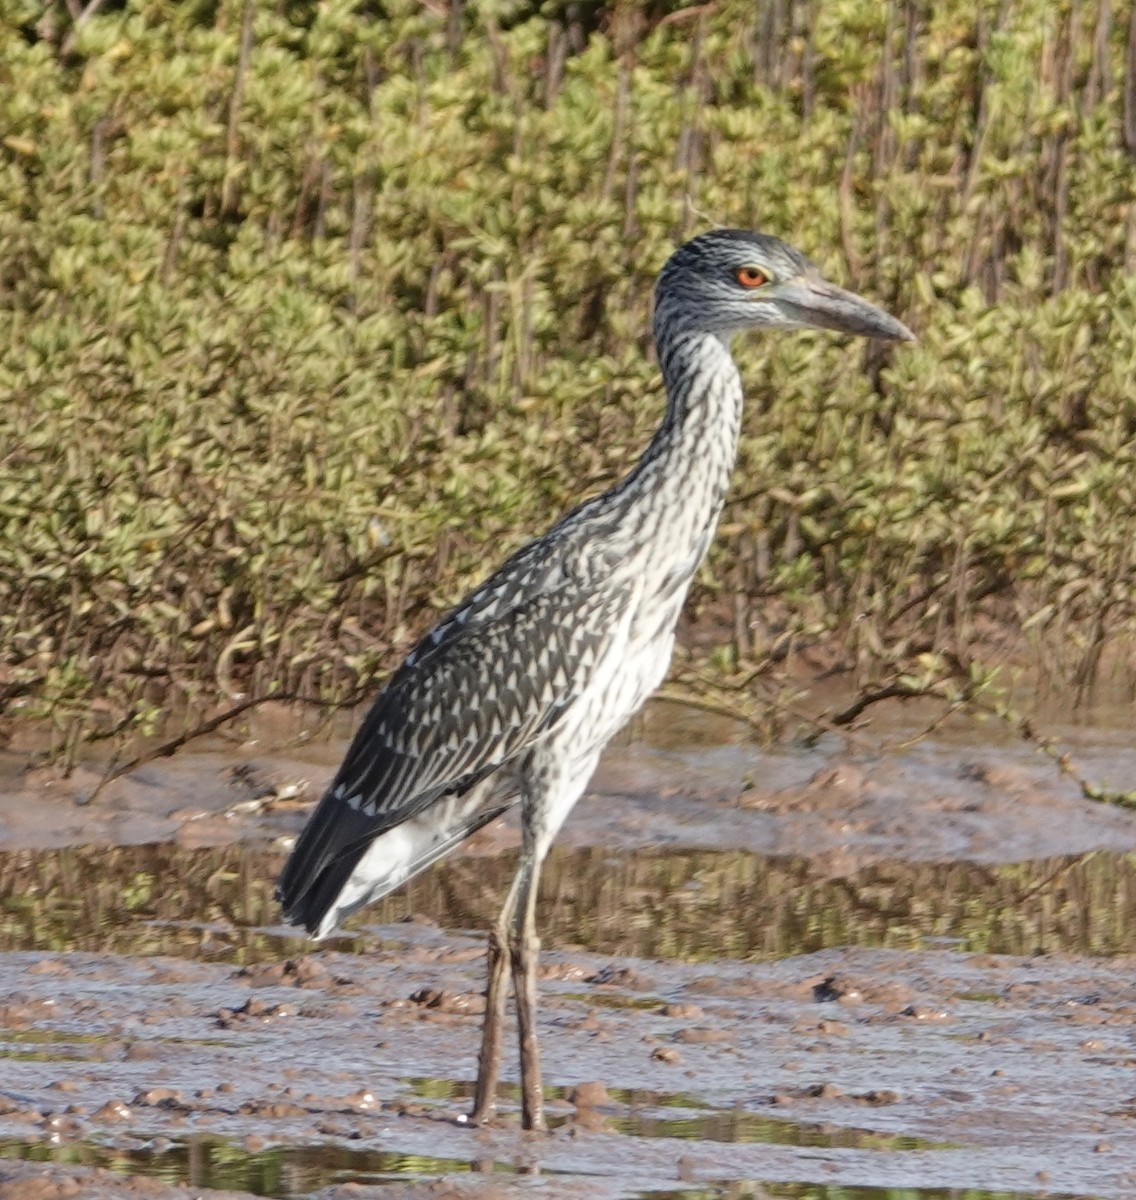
x,y
784,966
894,1069
292,1172
283,1171
697,905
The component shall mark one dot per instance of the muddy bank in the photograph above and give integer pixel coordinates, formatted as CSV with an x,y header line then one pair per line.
x,y
917,1070
814,972
689,780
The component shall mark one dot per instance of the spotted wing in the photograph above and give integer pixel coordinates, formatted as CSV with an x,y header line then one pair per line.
x,y
452,714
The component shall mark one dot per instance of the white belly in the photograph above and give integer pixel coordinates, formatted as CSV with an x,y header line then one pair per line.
x,y
632,669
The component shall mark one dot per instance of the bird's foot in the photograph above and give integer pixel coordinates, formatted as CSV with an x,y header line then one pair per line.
x,y
534,1121
483,1113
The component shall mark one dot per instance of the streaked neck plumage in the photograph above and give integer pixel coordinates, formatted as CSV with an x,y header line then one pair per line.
x,y
671,500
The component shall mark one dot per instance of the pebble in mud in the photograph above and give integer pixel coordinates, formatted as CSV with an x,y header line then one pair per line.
x,y
59,1127
685,1012
590,1023
272,1109
624,977
173,973
714,986
294,972
18,1114
112,1110
587,1099
254,1010
837,987
440,1000
140,1052
16,1016
849,990
834,1028
363,1101
701,1034
563,972
926,1012
153,1097
588,1095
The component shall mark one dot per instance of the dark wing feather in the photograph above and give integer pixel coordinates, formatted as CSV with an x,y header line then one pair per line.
x,y
451,715
314,905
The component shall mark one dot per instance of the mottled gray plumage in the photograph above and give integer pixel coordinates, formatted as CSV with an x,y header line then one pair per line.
x,y
514,694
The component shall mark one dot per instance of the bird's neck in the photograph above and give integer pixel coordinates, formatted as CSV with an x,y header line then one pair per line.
x,y
684,473
703,387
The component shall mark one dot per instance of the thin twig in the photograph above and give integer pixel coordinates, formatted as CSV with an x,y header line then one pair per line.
x,y
229,189
1061,871
79,17
173,745
892,691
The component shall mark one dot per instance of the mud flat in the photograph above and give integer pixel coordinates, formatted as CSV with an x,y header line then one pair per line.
x,y
826,973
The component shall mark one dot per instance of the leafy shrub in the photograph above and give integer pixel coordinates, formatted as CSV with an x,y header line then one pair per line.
x,y
309,310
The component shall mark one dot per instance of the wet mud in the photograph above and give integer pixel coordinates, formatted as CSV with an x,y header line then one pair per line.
x,y
826,972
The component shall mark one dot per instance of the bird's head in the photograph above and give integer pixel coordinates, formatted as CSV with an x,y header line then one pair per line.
x,y
730,280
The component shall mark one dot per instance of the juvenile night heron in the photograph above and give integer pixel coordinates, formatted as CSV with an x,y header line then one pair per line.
x,y
514,694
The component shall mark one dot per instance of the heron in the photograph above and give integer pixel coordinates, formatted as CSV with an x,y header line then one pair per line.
x,y
511,697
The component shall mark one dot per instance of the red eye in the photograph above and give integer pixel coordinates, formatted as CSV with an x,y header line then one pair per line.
x,y
751,277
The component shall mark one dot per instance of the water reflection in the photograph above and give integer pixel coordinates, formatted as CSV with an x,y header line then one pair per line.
x,y
291,1172
638,1112
697,905
744,1127
821,1191
282,1171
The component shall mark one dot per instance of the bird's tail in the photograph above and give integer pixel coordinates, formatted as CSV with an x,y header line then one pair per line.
x,y
372,869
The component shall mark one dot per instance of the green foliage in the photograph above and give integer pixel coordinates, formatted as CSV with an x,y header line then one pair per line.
x,y
312,310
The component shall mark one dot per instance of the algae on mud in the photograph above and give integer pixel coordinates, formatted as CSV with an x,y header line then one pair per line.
x,y
306,312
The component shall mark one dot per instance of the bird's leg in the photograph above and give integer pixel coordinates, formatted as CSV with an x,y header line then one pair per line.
x,y
496,993
524,952
552,787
